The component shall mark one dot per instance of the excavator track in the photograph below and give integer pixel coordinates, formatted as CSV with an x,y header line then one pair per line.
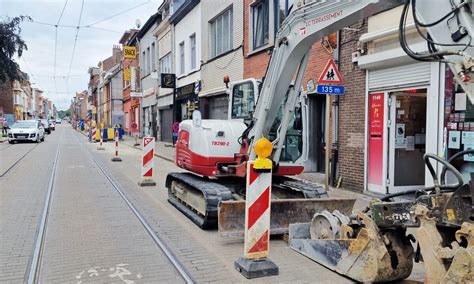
x,y
196,197
203,200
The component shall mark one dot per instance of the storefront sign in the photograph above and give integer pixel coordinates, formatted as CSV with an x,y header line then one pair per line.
x,y
148,92
185,92
126,74
129,52
375,143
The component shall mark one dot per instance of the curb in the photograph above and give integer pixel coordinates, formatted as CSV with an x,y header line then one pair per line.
x,y
156,155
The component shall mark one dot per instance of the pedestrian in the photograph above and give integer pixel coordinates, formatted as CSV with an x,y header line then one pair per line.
x,y
175,131
5,127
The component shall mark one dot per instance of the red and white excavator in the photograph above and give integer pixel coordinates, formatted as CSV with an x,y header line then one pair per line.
x,y
215,152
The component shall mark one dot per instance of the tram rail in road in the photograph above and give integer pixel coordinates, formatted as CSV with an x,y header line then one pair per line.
x,y
4,173
34,271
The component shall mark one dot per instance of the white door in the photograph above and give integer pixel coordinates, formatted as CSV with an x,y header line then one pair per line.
x,y
407,139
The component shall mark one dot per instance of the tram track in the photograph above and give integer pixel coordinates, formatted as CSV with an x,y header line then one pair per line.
x,y
17,161
34,273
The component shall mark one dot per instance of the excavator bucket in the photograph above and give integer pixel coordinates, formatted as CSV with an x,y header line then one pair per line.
x,y
231,218
361,252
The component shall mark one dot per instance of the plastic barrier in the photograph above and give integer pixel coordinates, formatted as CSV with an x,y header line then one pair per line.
x,y
110,134
104,134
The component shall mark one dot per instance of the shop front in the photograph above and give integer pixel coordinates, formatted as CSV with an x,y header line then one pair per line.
x,y
186,102
165,112
458,130
215,106
403,123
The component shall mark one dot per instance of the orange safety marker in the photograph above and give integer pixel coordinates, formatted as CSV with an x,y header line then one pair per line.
x,y
257,215
116,157
148,162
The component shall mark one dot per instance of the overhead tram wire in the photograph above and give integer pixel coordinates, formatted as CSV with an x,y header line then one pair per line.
x,y
56,44
120,13
75,42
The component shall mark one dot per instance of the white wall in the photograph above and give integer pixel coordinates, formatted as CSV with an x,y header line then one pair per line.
x,y
231,64
190,24
146,81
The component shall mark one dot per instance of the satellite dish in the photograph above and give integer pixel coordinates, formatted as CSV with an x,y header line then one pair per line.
x,y
138,23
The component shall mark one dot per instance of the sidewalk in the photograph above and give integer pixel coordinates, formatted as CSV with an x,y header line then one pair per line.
x,y
3,138
163,150
167,152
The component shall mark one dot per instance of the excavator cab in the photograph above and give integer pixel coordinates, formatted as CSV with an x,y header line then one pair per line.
x,y
243,98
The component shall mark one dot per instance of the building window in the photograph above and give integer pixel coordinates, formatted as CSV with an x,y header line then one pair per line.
x,y
260,23
181,58
221,33
148,61
192,41
165,64
153,57
143,65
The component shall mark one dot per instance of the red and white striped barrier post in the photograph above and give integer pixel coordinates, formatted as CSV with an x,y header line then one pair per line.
x,y
94,132
101,140
116,157
148,162
255,262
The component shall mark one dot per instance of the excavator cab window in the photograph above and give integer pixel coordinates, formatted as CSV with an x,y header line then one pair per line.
x,y
243,100
294,136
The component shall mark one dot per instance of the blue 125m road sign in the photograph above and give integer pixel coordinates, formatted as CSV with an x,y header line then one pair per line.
x,y
330,90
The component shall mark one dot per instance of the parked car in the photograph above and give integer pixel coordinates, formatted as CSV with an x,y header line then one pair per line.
x,y
26,130
52,125
58,121
46,125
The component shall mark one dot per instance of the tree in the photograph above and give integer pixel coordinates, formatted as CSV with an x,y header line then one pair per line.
x,y
10,44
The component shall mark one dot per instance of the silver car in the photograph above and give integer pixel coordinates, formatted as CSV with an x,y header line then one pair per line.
x,y
26,130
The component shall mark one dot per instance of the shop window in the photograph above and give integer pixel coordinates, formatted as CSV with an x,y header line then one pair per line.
x,y
458,126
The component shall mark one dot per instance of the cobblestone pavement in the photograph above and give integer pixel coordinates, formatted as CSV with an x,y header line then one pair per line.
x,y
206,255
22,193
92,237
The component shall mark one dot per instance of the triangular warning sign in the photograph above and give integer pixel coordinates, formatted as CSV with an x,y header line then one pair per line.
x,y
330,74
147,140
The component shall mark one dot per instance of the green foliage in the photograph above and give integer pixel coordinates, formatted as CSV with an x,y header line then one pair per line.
x,y
64,113
10,44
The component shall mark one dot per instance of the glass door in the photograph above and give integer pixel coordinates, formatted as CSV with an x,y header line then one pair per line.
x,y
407,140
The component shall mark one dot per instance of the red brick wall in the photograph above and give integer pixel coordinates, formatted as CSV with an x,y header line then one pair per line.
x,y
352,113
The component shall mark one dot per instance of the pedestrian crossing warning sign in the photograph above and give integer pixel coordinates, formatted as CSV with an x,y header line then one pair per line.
x,y
330,74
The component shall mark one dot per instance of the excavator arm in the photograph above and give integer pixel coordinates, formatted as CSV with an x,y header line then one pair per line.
x,y
310,21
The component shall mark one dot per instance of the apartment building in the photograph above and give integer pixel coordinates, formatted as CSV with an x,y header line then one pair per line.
x,y
222,54
186,22
148,74
164,104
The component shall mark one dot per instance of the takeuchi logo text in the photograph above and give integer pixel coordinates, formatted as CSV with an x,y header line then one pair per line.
x,y
324,18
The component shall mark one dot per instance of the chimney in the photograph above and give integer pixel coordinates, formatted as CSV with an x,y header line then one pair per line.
x,y
116,49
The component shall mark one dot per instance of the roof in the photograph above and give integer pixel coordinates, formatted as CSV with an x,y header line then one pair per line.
x,y
155,18
183,11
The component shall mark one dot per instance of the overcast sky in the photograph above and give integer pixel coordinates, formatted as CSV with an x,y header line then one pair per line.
x,y
93,43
